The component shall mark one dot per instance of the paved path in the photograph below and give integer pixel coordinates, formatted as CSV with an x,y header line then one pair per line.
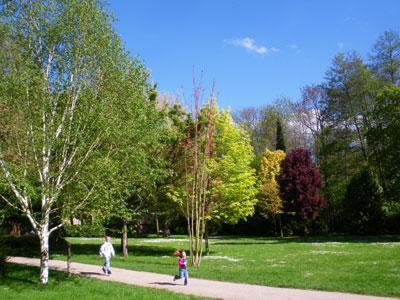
x,y
199,287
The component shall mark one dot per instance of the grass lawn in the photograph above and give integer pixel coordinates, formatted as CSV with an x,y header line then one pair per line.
x,y
21,282
365,265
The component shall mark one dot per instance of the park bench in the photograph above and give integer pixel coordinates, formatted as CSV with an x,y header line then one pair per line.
x,y
164,232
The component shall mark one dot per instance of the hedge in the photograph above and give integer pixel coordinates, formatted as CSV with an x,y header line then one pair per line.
x,y
84,230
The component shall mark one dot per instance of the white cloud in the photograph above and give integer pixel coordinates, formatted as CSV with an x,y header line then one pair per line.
x,y
250,45
295,48
340,45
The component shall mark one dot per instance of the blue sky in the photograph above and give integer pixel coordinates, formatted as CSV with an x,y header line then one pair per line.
x,y
256,51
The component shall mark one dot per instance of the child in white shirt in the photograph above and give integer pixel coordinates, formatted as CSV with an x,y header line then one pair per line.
x,y
107,251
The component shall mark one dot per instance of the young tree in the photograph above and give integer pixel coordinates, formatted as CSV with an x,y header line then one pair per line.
x,y
229,182
300,186
62,68
191,191
270,201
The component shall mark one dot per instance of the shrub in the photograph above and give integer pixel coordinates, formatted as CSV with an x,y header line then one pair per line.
x,y
29,245
84,230
25,245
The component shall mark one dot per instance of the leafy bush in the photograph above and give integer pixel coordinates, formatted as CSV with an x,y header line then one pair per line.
x,y
363,204
25,245
29,245
85,230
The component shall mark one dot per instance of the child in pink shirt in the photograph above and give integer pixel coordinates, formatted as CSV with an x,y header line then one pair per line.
x,y
182,266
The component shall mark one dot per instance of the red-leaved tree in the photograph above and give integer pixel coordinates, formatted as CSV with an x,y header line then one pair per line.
x,y
300,185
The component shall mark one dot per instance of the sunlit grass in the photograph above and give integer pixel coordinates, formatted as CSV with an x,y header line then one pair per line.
x,y
21,282
366,265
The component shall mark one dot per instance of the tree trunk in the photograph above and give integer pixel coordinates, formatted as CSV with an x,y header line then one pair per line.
x,y
305,231
157,225
280,225
124,240
206,239
190,242
15,229
44,255
69,259
275,233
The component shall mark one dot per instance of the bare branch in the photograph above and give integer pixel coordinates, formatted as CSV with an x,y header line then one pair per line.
x,y
9,203
55,228
21,198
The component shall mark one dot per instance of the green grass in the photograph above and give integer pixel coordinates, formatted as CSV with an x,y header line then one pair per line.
x,y
21,282
364,265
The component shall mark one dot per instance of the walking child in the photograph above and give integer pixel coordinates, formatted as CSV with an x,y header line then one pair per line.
x,y
182,266
107,251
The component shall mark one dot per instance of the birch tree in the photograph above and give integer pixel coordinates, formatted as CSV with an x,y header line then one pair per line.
x,y
60,66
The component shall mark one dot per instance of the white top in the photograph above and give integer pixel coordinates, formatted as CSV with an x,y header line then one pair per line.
x,y
107,250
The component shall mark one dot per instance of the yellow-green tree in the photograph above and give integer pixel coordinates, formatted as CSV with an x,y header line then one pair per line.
x,y
233,180
270,202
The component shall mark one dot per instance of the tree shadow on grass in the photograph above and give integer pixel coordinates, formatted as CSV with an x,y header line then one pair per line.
x,y
316,239
32,250
89,249
136,250
29,246
19,278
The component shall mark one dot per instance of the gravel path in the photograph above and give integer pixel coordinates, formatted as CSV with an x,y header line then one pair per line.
x,y
199,287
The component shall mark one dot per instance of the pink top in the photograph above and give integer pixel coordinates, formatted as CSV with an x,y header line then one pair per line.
x,y
182,263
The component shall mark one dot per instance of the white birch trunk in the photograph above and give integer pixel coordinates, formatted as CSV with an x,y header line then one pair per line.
x,y
44,254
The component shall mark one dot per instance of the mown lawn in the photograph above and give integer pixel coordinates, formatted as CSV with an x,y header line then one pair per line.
x,y
365,265
21,282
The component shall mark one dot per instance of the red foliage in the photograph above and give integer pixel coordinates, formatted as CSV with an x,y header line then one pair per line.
x,y
300,184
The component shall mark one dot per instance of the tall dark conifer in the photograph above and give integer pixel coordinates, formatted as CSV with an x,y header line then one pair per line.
x,y
280,141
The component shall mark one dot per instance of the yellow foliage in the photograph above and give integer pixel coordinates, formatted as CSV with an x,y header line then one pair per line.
x,y
270,166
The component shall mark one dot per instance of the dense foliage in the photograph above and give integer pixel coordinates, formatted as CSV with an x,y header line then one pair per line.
x,y
384,139
300,185
363,203
270,201
348,121
233,185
